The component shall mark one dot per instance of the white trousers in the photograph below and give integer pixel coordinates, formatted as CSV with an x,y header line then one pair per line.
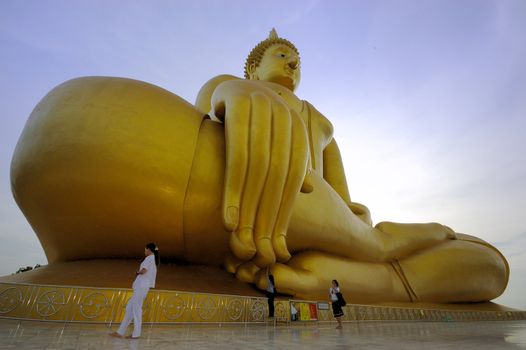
x,y
134,312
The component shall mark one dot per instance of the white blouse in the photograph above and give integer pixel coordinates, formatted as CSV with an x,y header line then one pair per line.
x,y
332,292
147,279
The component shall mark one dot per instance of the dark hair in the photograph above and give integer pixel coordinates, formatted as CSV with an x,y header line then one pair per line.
x,y
336,283
153,248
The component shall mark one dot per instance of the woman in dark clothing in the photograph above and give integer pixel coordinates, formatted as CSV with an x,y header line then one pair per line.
x,y
336,306
271,293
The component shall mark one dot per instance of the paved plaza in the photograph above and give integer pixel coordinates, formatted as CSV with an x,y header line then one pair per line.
x,y
355,335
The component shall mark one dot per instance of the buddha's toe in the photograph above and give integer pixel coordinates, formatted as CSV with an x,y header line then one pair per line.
x,y
449,232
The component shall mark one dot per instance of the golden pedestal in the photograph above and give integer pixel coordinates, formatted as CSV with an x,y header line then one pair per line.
x,y
107,305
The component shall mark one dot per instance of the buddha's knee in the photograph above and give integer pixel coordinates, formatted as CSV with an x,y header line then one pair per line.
x,y
102,166
457,271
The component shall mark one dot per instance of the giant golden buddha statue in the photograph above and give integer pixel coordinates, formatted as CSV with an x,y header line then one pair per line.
x,y
248,178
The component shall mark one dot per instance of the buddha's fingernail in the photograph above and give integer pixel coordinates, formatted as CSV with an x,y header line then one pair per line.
x,y
280,247
246,236
265,253
242,244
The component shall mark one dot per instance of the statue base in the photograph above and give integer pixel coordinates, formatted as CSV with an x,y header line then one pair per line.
x,y
120,273
98,290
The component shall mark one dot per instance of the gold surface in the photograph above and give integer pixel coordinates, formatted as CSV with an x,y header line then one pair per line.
x,y
105,165
107,305
105,273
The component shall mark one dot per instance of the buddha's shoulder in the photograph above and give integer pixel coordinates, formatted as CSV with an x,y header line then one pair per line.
x,y
205,93
213,82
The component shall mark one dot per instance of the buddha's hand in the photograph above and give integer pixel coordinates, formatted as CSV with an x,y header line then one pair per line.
x,y
266,160
303,275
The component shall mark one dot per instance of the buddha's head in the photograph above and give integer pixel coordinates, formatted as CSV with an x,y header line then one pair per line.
x,y
276,60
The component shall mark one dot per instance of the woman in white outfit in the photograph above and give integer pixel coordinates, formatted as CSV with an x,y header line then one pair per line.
x,y
143,282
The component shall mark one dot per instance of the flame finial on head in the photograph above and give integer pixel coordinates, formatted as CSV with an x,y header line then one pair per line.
x,y
273,34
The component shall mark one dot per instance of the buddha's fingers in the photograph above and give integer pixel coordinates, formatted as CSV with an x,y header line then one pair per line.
x,y
272,195
288,280
295,179
237,137
258,165
247,272
231,263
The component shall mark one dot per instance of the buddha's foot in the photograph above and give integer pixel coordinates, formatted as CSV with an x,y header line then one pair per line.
x,y
431,230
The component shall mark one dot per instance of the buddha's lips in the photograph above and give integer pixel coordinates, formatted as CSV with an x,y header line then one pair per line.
x,y
289,70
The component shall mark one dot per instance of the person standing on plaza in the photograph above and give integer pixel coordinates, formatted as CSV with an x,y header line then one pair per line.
x,y
335,295
144,280
271,293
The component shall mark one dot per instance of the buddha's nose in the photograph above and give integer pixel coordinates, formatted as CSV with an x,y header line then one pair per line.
x,y
293,64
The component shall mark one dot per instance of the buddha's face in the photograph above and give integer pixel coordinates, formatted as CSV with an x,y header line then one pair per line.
x,y
280,64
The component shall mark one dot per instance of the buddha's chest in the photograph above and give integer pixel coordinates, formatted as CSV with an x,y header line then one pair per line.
x,y
319,131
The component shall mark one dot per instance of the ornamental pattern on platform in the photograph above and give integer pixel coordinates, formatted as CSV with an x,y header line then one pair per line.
x,y
50,302
106,305
10,298
94,304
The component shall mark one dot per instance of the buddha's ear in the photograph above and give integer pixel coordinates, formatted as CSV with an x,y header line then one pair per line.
x,y
251,70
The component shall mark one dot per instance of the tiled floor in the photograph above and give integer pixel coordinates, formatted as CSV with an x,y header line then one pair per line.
x,y
363,335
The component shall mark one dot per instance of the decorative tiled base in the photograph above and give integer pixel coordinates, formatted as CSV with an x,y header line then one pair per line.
x,y
107,305
382,313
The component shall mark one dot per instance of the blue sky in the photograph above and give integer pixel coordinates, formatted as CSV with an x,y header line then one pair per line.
x,y
428,98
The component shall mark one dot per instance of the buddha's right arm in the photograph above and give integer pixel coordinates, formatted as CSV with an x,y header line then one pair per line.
x,y
266,160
